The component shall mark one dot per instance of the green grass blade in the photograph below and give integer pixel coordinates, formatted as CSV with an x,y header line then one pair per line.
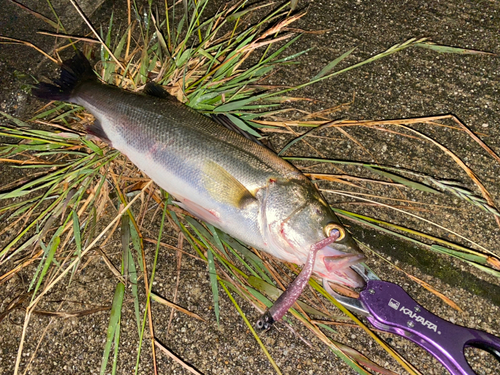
x,y
77,234
114,324
15,120
356,367
151,281
125,240
213,281
212,272
327,69
116,345
242,125
488,270
390,51
136,243
54,244
119,47
293,141
235,105
250,327
473,257
447,49
216,238
40,264
404,181
78,240
132,271
92,146
251,257
469,256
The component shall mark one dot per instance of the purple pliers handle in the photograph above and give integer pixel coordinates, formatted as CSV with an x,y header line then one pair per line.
x,y
389,308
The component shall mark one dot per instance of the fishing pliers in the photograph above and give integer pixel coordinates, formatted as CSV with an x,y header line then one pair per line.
x,y
390,309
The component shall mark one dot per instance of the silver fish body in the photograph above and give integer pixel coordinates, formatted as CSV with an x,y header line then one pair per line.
x,y
216,174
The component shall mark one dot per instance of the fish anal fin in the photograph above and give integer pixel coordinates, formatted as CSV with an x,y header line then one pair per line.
x,y
224,187
154,89
97,130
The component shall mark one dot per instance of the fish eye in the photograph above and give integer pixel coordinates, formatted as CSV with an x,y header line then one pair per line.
x,y
331,226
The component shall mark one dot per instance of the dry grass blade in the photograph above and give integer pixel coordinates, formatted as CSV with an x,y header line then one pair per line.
x,y
28,44
165,302
403,362
462,165
77,8
112,267
71,314
180,241
164,350
410,214
433,290
36,14
343,178
25,162
30,308
14,304
488,204
75,38
250,327
465,194
476,138
456,50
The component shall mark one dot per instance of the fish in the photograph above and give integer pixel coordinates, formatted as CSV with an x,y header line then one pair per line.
x,y
214,173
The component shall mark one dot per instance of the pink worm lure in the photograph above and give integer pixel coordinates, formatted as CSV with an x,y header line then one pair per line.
x,y
295,289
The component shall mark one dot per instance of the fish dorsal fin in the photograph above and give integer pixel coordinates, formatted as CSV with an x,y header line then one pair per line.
x,y
154,89
223,187
225,121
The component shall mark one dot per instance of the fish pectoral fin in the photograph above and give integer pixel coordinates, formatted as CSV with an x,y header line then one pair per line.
x,y
154,89
200,212
336,262
223,187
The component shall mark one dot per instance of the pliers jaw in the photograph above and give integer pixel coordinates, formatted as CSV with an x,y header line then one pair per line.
x,y
363,271
354,304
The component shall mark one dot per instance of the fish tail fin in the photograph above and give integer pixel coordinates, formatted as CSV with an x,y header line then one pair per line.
x,y
73,72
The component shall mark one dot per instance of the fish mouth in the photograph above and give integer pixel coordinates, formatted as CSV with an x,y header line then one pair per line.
x,y
335,262
336,266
